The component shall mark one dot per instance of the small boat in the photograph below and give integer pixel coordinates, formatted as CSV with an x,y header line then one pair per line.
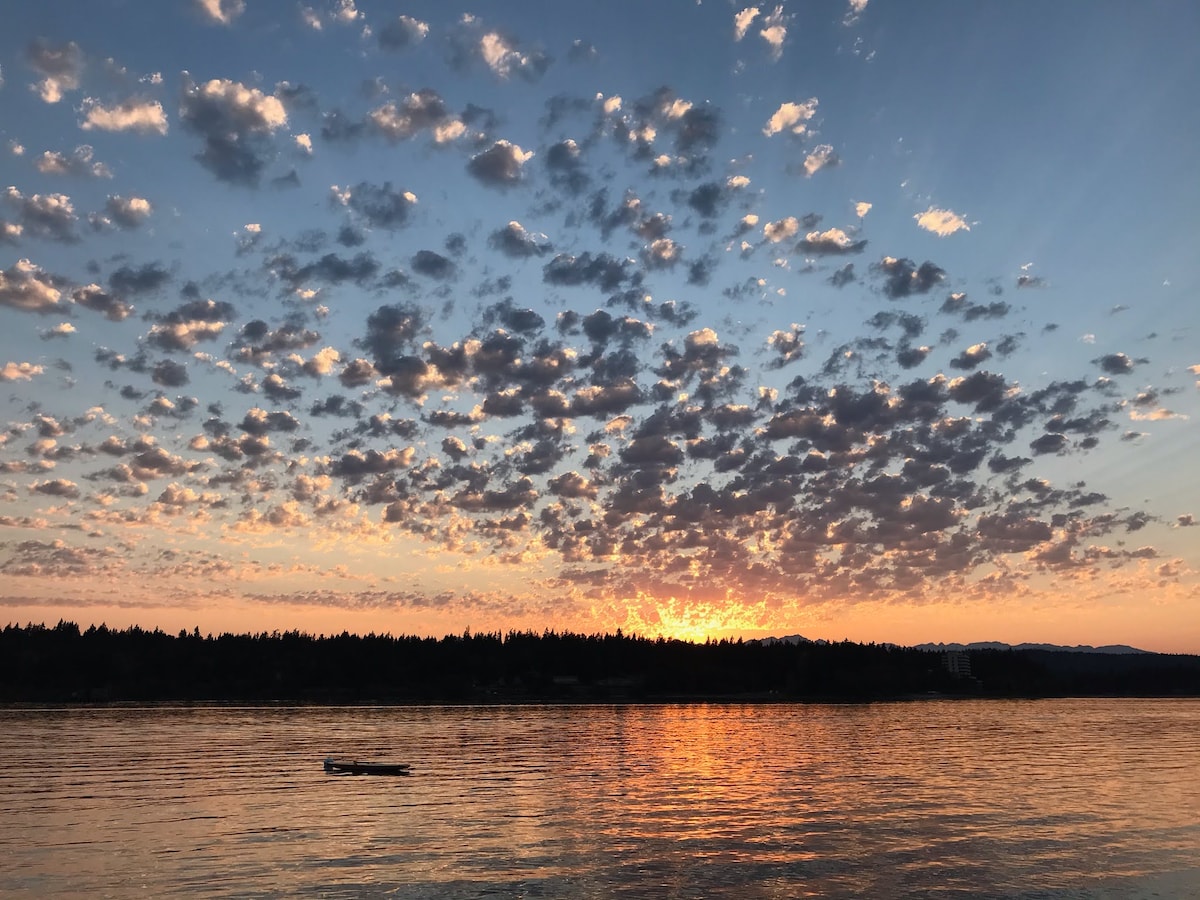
x,y
343,767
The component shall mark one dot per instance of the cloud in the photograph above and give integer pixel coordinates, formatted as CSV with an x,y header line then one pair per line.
x,y
602,270
514,241
402,32
971,357
221,12
189,323
821,157
95,298
128,212
133,114
793,117
854,12
60,65
61,330
743,20
781,230
48,216
774,31
169,373
499,165
59,487
423,110
504,57
905,278
14,371
942,222
833,242
79,163
1115,364
142,279
432,265
235,123
24,286
380,206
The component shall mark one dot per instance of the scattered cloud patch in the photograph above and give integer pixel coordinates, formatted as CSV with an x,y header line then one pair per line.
x,y
942,222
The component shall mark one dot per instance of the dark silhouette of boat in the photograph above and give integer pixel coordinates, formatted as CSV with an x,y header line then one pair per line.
x,y
344,767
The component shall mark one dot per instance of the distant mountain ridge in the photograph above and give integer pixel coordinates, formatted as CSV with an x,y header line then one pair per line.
x,y
979,645
1053,648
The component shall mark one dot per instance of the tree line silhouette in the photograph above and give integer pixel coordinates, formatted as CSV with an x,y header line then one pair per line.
x,y
62,664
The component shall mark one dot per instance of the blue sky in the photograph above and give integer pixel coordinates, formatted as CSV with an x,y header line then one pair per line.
x,y
858,320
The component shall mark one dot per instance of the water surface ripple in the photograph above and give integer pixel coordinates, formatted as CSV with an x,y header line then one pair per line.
x,y
1030,799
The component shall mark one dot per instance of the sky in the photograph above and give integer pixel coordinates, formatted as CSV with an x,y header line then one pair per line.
x,y
853,319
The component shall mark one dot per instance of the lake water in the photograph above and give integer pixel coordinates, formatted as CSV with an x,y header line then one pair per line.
x,y
1035,799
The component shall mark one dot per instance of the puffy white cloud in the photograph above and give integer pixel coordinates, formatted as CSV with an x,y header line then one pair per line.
x,y
780,230
26,287
232,103
14,371
222,12
743,20
793,117
861,208
822,157
80,162
774,32
942,222
854,11
346,13
134,114
128,212
503,57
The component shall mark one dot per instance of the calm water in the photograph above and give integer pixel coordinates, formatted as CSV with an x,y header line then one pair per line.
x,y
1075,798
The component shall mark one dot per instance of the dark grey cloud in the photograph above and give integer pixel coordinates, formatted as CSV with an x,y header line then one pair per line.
x,y
513,318
393,332
260,422
608,273
843,276
958,304
401,33
95,298
361,269
143,279
972,357
1048,443
565,165
58,487
47,216
1115,364
903,277
169,373
380,206
433,265
499,165
514,241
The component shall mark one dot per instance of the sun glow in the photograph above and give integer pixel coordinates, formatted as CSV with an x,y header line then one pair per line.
x,y
691,618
